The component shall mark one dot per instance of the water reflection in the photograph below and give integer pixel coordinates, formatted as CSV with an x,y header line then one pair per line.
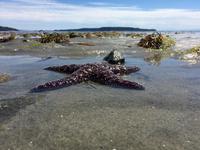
x,y
155,58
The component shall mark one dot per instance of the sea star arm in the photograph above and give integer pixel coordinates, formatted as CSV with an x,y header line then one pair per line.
x,y
52,85
75,78
65,68
122,70
107,77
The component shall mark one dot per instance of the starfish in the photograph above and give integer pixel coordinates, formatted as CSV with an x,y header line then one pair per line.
x,y
102,73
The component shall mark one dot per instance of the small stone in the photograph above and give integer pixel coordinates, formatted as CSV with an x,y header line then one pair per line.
x,y
164,145
30,143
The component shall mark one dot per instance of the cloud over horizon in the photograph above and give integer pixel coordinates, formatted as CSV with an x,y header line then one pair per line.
x,y
51,14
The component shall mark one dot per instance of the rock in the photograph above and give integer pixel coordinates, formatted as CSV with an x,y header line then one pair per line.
x,y
99,34
73,35
90,35
135,35
156,41
86,44
26,40
114,57
7,37
4,77
54,37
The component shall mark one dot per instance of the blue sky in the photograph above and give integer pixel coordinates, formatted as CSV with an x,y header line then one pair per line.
x,y
65,14
146,4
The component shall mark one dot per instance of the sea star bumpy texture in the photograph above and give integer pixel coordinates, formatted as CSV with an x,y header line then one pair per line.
x,y
102,73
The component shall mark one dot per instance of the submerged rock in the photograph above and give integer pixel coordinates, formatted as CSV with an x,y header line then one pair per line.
x,y
4,77
114,57
156,57
156,41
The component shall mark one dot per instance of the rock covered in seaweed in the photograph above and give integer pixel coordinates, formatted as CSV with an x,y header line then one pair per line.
x,y
156,41
74,35
7,37
54,37
114,57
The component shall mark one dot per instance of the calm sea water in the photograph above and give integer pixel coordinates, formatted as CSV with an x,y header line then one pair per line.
x,y
91,116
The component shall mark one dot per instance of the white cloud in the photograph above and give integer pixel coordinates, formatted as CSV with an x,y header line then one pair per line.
x,y
59,15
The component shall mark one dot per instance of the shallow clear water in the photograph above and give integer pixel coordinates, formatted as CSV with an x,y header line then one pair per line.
x,y
91,116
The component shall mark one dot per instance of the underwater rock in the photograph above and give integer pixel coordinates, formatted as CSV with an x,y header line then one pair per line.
x,y
114,57
4,77
54,37
156,41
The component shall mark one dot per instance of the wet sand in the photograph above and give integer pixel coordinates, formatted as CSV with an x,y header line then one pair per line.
x,y
92,116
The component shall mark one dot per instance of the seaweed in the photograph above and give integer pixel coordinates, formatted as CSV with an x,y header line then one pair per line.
x,y
191,55
156,41
135,35
54,37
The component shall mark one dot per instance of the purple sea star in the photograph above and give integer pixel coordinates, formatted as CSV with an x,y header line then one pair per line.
x,y
102,73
